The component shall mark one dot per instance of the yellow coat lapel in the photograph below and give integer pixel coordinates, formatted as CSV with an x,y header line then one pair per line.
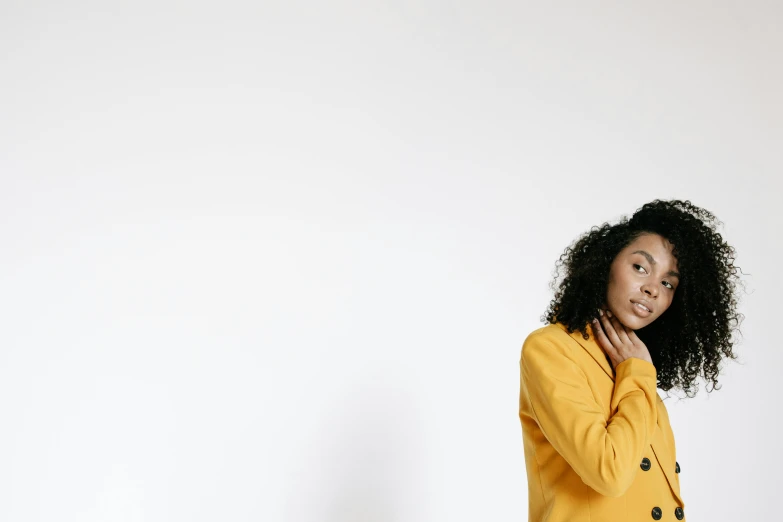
x,y
595,351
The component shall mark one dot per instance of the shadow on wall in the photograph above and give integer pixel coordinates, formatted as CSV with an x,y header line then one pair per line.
x,y
366,460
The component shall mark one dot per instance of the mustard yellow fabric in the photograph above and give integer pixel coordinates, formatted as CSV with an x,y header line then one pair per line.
x,y
586,429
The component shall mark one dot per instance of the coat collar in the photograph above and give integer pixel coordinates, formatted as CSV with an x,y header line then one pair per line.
x,y
591,345
662,451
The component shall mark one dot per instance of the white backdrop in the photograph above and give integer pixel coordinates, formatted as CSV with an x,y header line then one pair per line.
x,y
275,261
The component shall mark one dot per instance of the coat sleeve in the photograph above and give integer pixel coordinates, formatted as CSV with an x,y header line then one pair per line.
x,y
604,453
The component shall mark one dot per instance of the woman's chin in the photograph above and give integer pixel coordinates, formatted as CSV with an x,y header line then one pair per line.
x,y
633,321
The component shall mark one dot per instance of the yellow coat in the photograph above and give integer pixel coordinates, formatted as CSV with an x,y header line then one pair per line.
x,y
598,444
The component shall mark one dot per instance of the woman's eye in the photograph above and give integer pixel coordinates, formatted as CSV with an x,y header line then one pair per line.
x,y
637,267
668,285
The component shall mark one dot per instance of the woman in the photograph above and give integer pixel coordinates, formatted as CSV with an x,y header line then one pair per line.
x,y
648,302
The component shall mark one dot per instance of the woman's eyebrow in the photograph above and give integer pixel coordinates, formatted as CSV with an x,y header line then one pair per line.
x,y
650,258
652,261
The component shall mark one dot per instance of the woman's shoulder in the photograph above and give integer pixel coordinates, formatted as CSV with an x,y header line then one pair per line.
x,y
550,337
554,331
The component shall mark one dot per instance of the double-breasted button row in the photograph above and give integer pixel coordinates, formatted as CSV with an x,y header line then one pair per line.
x,y
657,513
646,465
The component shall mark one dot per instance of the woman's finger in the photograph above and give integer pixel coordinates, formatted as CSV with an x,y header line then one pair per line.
x,y
600,336
620,328
633,337
611,334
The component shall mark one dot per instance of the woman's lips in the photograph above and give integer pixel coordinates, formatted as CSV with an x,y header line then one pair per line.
x,y
640,309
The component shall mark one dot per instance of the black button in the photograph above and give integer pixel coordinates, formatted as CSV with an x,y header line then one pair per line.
x,y
679,513
657,513
677,469
646,464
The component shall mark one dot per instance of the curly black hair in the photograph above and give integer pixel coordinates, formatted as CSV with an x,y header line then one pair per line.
x,y
696,331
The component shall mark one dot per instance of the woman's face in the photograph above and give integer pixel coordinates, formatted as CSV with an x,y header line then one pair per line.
x,y
642,281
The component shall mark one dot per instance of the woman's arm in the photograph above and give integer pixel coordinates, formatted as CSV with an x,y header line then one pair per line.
x,y
605,455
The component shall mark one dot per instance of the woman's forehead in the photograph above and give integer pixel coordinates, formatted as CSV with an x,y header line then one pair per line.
x,y
652,246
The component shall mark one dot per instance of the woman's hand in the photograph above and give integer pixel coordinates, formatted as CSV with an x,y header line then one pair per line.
x,y
618,341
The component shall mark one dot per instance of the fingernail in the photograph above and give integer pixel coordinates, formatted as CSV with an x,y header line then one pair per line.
x,y
600,312
608,313
595,321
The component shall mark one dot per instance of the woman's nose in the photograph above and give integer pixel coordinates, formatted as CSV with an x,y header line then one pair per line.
x,y
650,290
